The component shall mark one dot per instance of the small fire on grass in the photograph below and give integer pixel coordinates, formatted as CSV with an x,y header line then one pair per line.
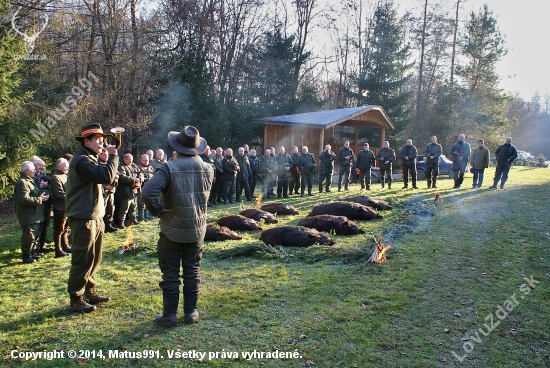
x,y
129,244
379,254
258,200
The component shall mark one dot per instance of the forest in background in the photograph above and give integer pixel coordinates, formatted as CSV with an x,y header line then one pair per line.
x,y
155,66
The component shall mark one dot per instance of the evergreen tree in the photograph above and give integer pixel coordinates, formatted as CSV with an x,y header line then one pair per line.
x,y
206,114
387,70
15,146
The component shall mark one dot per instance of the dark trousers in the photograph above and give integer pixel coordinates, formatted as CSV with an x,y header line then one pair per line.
x,y
307,179
252,183
327,180
127,209
60,230
171,254
240,185
478,177
228,190
47,218
386,176
501,171
109,208
364,178
30,238
459,168
432,171
282,186
217,190
344,175
87,249
294,183
268,184
409,169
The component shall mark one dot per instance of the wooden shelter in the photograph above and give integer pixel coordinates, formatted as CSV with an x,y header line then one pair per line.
x,y
316,129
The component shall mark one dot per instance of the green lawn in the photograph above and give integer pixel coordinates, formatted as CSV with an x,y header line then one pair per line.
x,y
451,268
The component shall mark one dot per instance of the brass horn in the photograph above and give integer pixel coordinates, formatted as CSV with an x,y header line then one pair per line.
x,y
117,136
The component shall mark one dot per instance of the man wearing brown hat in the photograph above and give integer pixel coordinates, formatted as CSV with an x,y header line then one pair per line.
x,y
183,186
85,211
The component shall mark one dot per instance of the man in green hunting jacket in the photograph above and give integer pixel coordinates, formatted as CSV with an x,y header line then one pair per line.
x,y
30,201
365,161
307,166
184,186
129,187
85,209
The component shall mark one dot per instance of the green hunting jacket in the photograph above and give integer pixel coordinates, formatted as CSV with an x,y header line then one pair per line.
x,y
365,160
30,209
126,180
307,163
57,184
84,195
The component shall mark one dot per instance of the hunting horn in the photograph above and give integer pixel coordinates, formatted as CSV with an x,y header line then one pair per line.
x,y
117,135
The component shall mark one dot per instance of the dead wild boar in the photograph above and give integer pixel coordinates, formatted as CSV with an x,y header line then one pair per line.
x,y
327,223
217,233
293,236
257,215
369,201
236,222
353,211
279,208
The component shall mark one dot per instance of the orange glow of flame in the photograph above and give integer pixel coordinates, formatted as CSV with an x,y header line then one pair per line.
x,y
258,200
129,236
379,254
382,254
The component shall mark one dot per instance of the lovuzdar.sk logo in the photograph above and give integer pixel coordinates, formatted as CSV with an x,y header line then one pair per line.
x,y
30,40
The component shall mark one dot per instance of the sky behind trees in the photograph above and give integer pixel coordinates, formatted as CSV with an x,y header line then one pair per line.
x,y
525,68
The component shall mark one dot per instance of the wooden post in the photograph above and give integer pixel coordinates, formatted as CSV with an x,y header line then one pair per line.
x,y
322,140
356,139
265,137
291,140
382,137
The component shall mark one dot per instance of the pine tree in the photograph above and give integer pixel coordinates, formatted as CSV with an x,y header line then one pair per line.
x,y
15,146
387,70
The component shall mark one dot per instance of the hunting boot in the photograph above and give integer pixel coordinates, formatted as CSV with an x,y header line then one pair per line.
x,y
79,304
109,228
214,199
59,252
383,182
133,220
27,258
389,183
224,199
190,299
95,298
141,214
434,186
170,300
119,224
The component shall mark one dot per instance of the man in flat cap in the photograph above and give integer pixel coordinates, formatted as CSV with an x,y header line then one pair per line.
x,y
85,210
183,186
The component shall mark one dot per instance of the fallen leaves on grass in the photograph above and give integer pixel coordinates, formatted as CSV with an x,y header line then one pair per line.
x,y
456,314
309,363
442,358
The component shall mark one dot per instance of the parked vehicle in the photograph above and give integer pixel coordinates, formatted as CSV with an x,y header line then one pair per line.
x,y
445,167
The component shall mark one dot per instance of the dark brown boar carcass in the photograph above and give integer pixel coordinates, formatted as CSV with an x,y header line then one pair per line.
x,y
328,223
293,236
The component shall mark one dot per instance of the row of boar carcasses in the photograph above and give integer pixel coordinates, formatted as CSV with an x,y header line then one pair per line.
x,y
334,217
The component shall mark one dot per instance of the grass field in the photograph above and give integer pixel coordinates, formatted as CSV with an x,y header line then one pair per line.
x,y
466,285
